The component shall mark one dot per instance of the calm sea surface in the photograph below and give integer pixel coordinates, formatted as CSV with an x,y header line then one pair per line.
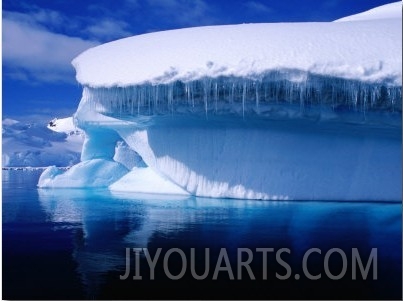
x,y
73,244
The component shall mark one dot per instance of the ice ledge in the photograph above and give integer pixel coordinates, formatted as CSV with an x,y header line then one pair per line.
x,y
227,95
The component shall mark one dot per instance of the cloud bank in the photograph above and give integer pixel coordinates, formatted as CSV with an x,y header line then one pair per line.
x,y
32,52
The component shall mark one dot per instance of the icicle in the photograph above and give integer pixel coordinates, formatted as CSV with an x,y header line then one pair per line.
x,y
243,99
302,90
119,101
272,88
138,100
216,96
187,92
192,93
205,94
232,93
170,96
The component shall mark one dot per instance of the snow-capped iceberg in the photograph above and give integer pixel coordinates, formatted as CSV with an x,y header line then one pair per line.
x,y
256,111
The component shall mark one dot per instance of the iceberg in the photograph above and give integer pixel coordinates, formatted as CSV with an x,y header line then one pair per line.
x,y
304,111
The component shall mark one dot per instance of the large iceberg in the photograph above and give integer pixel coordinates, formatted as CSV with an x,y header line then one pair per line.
x,y
308,111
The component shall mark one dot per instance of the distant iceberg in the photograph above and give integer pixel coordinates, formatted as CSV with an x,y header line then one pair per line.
x,y
305,111
37,145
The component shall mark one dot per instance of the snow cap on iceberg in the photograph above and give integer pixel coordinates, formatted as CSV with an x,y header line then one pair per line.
x,y
368,51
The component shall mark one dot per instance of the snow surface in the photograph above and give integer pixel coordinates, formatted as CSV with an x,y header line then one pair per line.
x,y
306,111
367,51
62,125
39,145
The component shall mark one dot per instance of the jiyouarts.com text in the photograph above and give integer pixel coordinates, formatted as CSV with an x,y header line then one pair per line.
x,y
248,263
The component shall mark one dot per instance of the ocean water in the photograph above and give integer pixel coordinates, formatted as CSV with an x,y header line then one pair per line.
x,y
78,244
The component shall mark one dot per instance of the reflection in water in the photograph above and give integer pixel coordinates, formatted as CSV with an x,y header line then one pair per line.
x,y
100,239
108,223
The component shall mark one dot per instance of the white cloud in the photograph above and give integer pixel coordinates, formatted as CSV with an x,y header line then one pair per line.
x,y
46,16
43,18
108,29
32,52
257,7
38,46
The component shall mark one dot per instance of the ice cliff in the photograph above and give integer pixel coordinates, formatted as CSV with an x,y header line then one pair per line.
x,y
308,111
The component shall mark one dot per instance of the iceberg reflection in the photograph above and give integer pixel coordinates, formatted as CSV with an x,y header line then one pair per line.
x,y
106,224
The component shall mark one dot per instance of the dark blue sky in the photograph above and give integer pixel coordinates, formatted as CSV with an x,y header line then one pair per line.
x,y
41,37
